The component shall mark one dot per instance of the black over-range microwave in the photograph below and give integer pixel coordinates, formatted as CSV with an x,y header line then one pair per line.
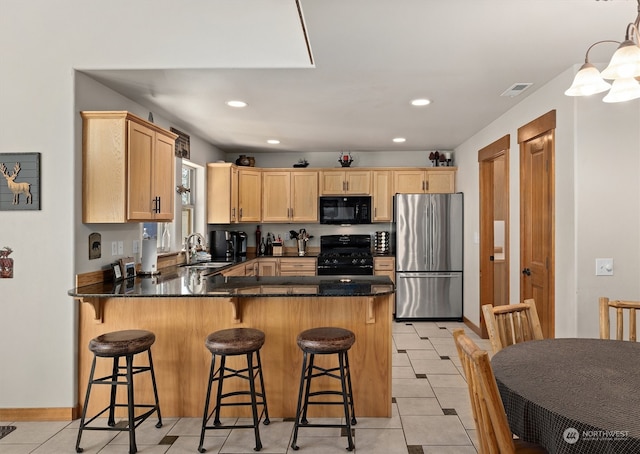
x,y
345,210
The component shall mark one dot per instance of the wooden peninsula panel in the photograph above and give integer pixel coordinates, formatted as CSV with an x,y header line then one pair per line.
x,y
182,362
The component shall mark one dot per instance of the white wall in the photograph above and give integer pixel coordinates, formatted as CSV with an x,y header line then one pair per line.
x,y
48,40
597,201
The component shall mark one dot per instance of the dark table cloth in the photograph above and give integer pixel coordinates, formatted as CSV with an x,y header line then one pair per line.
x,y
572,395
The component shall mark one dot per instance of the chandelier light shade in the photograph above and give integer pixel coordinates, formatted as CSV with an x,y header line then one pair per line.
x,y
588,81
624,63
623,70
623,90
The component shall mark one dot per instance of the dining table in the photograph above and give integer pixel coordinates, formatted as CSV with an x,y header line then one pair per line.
x,y
572,395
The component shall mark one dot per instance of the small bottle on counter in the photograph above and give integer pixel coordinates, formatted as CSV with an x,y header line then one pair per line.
x,y
258,238
263,247
269,248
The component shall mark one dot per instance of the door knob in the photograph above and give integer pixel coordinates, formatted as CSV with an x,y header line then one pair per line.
x,y
526,272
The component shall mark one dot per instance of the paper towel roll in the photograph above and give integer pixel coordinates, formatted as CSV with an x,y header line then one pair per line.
x,y
149,260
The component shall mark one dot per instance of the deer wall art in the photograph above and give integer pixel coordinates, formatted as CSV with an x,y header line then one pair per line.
x,y
16,188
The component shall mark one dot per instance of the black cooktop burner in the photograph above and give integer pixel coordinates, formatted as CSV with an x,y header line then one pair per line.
x,y
345,254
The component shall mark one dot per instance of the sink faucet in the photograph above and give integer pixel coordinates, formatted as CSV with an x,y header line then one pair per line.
x,y
189,249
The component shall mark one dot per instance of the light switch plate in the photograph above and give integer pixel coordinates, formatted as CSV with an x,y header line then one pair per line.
x,y
604,267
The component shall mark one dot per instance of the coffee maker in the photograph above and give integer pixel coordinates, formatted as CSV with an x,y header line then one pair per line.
x,y
239,243
220,244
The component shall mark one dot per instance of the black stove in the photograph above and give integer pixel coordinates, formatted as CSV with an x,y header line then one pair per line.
x,y
345,255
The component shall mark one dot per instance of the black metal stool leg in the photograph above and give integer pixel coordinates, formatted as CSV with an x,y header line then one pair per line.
x,y
264,392
86,404
155,391
112,402
305,407
206,403
131,406
216,420
345,401
354,421
254,404
299,407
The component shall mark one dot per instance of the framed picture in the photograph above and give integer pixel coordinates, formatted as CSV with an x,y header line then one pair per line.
x,y
128,267
20,187
117,274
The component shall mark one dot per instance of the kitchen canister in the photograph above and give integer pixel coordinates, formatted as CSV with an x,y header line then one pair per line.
x,y
381,242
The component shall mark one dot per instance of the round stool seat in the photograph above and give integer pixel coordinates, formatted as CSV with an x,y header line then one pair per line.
x,y
234,341
326,340
120,343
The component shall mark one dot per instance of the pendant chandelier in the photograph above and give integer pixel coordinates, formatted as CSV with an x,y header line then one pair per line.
x,y
623,70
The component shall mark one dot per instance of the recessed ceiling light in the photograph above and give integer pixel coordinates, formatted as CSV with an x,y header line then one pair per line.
x,y
399,139
420,102
273,141
236,104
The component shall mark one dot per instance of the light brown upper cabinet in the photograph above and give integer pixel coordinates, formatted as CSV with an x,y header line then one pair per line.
x,y
289,196
416,181
233,194
128,169
222,193
249,195
338,182
382,195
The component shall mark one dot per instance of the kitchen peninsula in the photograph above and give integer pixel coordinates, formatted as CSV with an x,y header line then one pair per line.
x,y
182,306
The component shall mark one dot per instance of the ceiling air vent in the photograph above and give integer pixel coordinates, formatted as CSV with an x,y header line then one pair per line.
x,y
516,89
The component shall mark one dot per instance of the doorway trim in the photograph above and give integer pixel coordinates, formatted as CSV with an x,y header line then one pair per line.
x,y
486,158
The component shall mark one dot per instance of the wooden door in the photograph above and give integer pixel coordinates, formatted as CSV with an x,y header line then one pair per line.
x,y
382,195
139,182
358,182
249,195
494,226
164,177
276,191
408,181
537,220
304,196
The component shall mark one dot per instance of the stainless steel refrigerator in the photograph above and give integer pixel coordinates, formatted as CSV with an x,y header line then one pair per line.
x,y
428,248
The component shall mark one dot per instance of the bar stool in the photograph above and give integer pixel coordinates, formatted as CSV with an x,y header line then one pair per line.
x,y
234,342
115,345
325,341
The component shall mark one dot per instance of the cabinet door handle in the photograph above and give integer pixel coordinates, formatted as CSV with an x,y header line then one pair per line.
x,y
240,213
156,205
347,185
233,213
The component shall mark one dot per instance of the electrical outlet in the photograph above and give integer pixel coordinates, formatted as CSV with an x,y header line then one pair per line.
x,y
120,247
136,246
604,267
114,248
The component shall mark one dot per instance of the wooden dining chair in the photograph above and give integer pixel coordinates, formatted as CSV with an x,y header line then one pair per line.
x,y
620,307
512,323
492,427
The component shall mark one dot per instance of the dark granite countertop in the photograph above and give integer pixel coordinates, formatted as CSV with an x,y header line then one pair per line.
x,y
193,282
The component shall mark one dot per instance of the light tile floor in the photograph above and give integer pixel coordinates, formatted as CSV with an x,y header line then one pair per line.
x,y
431,414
